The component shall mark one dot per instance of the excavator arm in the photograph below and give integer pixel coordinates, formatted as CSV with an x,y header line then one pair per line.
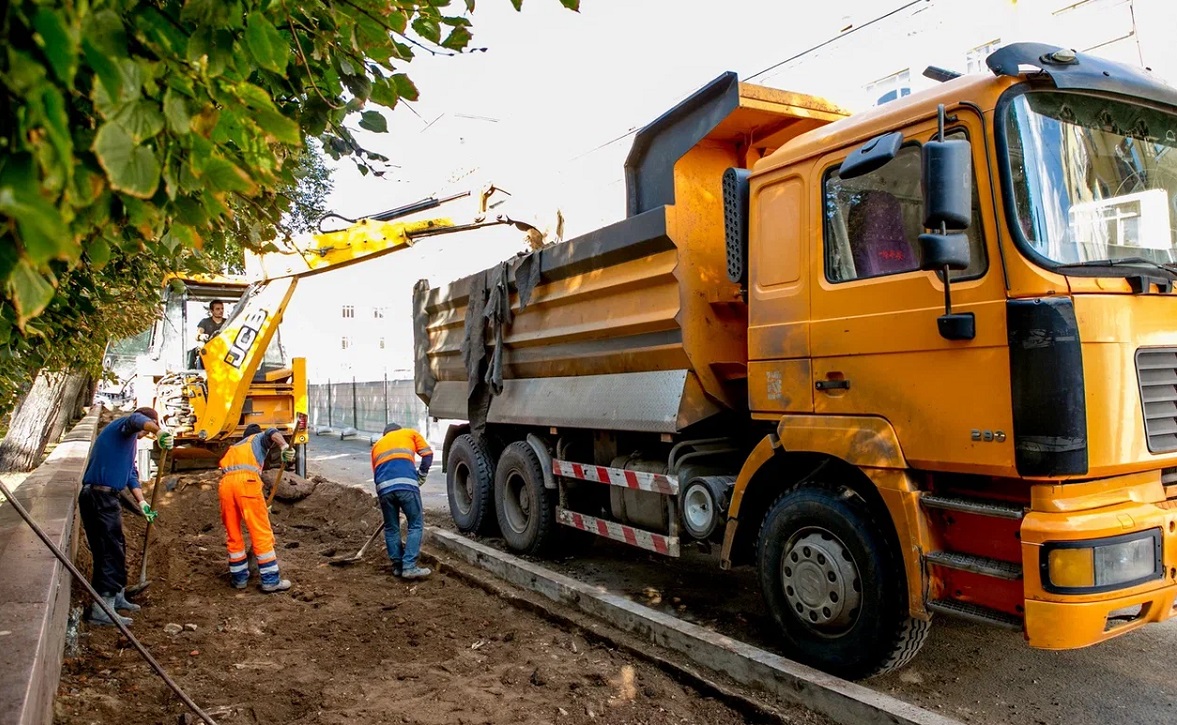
x,y
232,358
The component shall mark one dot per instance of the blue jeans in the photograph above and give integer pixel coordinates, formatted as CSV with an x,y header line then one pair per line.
x,y
393,504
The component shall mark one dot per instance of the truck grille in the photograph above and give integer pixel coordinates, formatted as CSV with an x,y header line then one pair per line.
x,y
1156,370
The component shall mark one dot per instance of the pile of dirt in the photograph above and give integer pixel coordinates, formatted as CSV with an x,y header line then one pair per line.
x,y
346,644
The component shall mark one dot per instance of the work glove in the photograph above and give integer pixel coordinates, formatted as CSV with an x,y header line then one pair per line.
x,y
148,513
288,454
421,476
166,439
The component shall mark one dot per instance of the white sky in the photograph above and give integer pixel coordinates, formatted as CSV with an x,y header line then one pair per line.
x,y
560,83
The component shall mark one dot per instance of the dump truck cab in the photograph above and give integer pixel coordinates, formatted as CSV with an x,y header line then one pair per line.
x,y
1024,462
911,361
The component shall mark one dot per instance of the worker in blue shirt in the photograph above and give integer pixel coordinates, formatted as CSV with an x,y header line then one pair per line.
x,y
111,468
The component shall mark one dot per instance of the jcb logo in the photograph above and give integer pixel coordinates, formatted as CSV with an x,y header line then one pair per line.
x,y
245,338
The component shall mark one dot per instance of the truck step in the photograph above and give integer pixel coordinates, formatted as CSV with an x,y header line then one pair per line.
x,y
972,506
975,613
976,564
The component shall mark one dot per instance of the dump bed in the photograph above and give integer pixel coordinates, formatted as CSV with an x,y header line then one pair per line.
x,y
634,326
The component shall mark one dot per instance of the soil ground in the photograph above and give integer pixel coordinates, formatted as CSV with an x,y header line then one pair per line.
x,y
346,644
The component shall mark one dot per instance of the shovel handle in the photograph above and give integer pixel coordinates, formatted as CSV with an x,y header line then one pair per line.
x,y
277,482
163,458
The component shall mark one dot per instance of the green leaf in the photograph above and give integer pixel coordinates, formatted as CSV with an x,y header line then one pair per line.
x,y
266,44
404,87
175,109
132,169
458,39
23,72
359,86
141,119
374,121
280,127
159,30
30,292
98,251
223,175
57,127
58,42
427,28
573,5
43,234
469,6
518,4
384,93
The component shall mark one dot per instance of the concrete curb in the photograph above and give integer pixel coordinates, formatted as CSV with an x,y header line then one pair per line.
x,y
34,586
841,700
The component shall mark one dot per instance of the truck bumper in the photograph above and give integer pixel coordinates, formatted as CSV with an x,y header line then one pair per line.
x,y
1058,617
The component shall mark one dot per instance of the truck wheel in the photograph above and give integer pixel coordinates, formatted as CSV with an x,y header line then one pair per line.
x,y
469,485
526,510
834,584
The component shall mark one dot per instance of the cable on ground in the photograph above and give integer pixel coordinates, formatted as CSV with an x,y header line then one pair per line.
x,y
114,617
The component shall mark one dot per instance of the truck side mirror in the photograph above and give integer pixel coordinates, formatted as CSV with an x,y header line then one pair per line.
x,y
948,204
940,251
872,155
948,184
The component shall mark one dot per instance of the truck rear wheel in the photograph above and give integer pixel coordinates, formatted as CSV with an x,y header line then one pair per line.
x,y
526,510
469,485
834,584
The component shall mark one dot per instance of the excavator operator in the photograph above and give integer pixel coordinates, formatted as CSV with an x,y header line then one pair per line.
x,y
205,329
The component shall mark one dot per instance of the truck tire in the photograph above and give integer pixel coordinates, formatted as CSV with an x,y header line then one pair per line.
x,y
835,585
469,483
526,510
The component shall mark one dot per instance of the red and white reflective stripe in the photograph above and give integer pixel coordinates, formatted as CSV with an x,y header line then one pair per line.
x,y
638,480
640,538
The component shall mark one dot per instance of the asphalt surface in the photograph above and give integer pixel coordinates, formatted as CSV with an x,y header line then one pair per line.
x,y
972,672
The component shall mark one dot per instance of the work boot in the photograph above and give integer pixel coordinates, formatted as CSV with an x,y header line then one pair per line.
x,y
121,602
98,615
417,572
279,587
397,569
241,584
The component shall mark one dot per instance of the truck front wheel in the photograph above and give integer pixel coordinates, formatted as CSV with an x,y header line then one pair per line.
x,y
834,584
526,510
469,485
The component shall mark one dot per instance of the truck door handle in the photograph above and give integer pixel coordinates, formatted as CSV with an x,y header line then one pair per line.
x,y
838,384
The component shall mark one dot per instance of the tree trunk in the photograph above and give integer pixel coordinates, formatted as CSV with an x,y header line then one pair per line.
x,y
39,417
67,410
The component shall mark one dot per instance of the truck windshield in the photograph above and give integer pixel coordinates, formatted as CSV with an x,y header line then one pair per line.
x,y
1094,180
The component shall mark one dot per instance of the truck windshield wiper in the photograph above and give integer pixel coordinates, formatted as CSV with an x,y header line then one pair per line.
x,y
1127,263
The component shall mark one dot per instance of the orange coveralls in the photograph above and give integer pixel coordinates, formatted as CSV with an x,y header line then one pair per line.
x,y
242,502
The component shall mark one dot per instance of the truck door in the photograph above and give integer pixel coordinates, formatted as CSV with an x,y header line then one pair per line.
x,y
875,344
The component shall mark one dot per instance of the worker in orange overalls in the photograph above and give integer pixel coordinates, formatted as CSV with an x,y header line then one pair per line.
x,y
398,486
242,502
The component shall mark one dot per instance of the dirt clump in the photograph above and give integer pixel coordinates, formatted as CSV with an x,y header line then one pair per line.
x,y
346,644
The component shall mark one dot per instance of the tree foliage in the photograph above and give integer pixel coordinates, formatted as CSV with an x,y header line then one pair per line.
x,y
136,134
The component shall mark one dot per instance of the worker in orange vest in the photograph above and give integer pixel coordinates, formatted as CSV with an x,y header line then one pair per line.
x,y
242,502
398,485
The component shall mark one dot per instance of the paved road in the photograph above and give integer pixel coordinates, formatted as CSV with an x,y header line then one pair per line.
x,y
975,673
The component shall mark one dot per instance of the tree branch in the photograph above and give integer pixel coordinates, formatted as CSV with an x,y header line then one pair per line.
x,y
396,32
305,64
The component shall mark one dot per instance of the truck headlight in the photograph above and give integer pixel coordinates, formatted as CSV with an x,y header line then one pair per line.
x,y
1099,565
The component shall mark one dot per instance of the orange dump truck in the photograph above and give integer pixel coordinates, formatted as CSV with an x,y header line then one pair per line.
x,y
919,360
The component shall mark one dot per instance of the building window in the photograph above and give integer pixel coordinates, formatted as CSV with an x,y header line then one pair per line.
x,y
382,343
975,58
344,343
896,85
349,311
378,312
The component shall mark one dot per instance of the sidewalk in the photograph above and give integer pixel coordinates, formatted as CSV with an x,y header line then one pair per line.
x,y
348,462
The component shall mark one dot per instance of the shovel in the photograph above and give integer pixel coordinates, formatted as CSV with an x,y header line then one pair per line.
x,y
143,581
359,556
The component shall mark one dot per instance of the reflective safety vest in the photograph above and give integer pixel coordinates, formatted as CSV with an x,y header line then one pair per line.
x,y
241,460
394,457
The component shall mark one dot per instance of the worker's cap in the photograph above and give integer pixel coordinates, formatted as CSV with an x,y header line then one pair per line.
x,y
251,429
149,412
390,428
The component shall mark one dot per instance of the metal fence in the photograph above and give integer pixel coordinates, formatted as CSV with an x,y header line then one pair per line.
x,y
367,406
